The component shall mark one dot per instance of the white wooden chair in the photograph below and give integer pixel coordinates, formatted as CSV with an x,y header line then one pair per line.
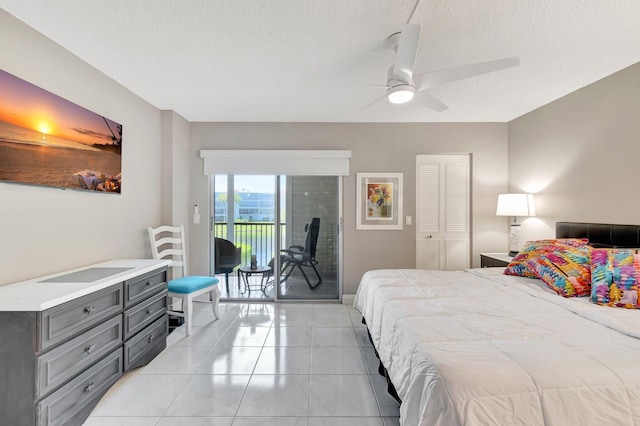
x,y
167,242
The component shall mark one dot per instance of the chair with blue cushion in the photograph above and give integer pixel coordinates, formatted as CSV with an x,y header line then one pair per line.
x,y
167,242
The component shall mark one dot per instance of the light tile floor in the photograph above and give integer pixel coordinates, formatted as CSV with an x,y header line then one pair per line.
x,y
260,364
294,288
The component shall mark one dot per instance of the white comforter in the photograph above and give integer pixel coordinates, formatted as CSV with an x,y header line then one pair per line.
x,y
477,347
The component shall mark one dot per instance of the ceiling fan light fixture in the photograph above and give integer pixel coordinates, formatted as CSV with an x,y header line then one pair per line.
x,y
401,94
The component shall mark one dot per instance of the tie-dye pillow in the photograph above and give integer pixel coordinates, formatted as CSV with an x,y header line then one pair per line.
x,y
533,249
615,274
567,270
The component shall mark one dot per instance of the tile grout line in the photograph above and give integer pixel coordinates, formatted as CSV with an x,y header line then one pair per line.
x,y
194,374
244,392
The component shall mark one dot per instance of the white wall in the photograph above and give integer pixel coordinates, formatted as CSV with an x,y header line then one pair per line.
x,y
375,148
579,155
45,230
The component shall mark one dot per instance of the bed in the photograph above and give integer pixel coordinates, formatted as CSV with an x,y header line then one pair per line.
x,y
478,347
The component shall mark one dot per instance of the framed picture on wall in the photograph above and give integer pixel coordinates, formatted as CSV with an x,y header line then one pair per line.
x,y
379,201
49,141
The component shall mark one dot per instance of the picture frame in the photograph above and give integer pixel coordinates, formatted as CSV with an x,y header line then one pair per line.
x,y
379,201
46,140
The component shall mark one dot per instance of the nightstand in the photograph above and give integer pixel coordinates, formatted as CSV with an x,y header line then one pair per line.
x,y
493,260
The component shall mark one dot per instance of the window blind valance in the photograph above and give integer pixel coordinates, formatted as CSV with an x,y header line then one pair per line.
x,y
276,162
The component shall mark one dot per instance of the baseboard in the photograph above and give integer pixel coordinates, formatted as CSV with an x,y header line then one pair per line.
x,y
348,299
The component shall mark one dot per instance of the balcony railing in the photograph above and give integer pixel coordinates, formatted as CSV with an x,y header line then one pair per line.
x,y
254,237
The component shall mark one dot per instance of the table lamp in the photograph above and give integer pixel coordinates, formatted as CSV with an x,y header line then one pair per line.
x,y
515,205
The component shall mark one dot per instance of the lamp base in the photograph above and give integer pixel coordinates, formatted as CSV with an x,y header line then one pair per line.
x,y
514,238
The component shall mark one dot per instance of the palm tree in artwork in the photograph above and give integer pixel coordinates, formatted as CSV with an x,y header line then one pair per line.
x,y
117,140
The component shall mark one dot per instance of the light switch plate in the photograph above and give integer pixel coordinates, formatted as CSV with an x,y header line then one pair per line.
x,y
408,220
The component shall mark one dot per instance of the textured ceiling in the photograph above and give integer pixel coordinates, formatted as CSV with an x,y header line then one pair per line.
x,y
310,60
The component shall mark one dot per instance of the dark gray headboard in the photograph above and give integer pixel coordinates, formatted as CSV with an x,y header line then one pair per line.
x,y
601,234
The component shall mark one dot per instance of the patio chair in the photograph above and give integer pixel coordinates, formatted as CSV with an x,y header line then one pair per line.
x,y
269,277
303,257
227,257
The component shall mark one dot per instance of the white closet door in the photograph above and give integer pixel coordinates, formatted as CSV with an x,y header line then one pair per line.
x,y
443,212
429,228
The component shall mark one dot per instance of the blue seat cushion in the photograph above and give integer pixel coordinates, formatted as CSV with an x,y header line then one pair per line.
x,y
186,285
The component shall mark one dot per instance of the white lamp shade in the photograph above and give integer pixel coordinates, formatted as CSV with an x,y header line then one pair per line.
x,y
515,205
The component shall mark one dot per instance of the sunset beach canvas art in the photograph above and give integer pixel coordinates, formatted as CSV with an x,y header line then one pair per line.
x,y
47,140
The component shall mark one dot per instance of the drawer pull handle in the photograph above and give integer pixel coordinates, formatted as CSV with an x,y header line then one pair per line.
x,y
90,348
149,283
150,339
90,309
89,387
149,311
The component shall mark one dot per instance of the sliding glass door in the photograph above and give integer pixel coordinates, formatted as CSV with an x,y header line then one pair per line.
x,y
301,217
309,238
244,216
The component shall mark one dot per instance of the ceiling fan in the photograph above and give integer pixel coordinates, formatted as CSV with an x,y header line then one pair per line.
x,y
403,84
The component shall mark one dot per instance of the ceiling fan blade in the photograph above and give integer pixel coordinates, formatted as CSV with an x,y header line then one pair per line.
x,y
406,53
430,102
370,104
435,78
375,86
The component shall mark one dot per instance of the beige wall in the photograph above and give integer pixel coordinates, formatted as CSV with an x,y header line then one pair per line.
x,y
45,230
580,155
375,148
176,209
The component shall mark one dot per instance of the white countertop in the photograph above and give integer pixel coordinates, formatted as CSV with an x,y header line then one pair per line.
x,y
36,295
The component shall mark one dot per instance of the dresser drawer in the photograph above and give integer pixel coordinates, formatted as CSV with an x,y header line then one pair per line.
x,y
139,316
60,407
64,362
145,345
140,288
69,319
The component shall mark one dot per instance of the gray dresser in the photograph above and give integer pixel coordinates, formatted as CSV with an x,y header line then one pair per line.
x,y
65,339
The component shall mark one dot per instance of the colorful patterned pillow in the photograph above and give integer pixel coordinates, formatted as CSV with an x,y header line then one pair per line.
x,y
567,270
615,274
537,248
